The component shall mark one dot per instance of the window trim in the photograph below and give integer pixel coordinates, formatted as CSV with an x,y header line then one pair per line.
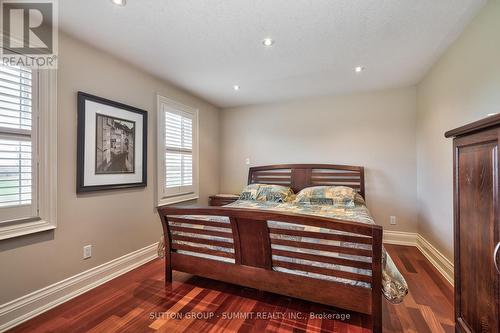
x,y
46,162
162,198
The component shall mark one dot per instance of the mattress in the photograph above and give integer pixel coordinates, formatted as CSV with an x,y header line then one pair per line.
x,y
394,286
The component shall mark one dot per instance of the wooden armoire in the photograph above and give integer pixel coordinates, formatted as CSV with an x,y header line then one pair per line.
x,y
477,225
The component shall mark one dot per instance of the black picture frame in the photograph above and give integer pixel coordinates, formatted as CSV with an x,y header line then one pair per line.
x,y
81,136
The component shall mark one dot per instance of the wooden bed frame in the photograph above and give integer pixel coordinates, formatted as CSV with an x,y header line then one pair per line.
x,y
250,233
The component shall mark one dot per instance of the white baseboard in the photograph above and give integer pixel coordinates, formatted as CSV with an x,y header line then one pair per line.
x,y
436,258
28,306
400,238
442,264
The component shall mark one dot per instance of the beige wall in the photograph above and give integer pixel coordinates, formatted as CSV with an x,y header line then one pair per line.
x,y
115,222
375,130
463,86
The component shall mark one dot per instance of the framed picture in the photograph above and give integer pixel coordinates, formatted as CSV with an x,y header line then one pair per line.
x,y
112,145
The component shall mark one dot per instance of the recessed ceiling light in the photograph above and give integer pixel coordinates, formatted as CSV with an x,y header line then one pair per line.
x,y
236,87
119,2
359,69
267,42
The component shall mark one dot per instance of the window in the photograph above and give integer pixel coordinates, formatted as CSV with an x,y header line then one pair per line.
x,y
27,161
177,152
17,144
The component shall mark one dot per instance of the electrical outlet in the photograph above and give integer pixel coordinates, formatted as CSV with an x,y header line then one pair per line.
x,y
247,161
392,220
87,251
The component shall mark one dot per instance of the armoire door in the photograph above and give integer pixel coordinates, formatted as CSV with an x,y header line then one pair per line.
x,y
476,232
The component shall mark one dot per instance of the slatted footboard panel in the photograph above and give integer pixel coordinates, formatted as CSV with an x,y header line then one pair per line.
x,y
198,236
321,254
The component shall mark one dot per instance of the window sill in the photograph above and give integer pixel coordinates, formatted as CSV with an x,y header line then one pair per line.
x,y
178,199
22,228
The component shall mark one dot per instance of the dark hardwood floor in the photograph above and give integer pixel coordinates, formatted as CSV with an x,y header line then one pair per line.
x,y
138,302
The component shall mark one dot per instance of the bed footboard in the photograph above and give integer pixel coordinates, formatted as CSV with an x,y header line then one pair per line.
x,y
244,248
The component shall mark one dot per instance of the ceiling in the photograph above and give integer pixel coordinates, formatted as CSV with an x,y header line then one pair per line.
x,y
208,46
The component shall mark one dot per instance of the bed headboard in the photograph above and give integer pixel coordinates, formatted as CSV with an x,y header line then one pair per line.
x,y
299,176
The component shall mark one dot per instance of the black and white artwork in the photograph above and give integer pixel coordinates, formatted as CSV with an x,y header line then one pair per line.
x,y
112,144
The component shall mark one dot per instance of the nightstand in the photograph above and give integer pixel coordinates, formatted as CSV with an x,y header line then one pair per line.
x,y
222,199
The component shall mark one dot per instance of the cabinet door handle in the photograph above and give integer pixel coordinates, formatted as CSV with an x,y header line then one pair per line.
x,y
495,257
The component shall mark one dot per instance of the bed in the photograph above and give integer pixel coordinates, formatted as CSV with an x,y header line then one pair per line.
x,y
327,254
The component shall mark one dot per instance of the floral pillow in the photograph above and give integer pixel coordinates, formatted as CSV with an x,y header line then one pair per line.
x,y
266,192
275,193
250,192
327,195
359,199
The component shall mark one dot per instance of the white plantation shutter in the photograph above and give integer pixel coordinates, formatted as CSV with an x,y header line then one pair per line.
x,y
17,144
177,151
